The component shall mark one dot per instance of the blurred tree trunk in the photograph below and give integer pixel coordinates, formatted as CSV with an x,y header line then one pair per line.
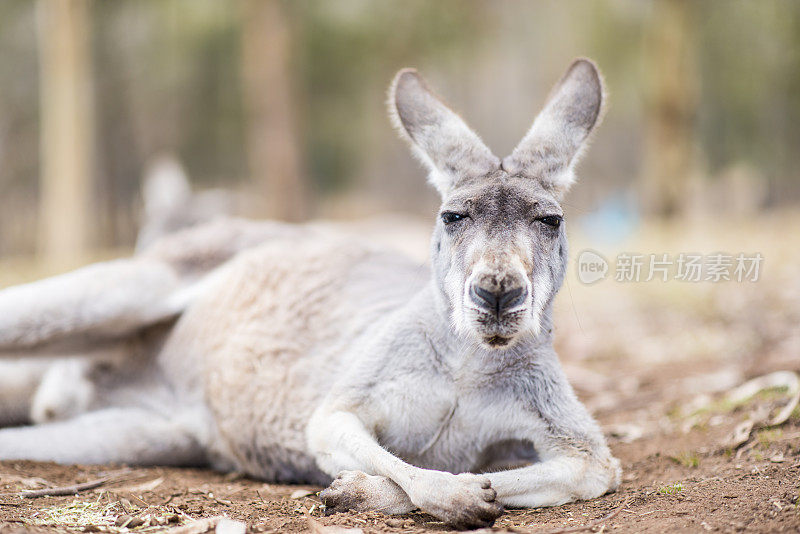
x,y
66,129
669,164
272,137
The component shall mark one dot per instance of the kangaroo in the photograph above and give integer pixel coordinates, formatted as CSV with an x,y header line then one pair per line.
x,y
294,354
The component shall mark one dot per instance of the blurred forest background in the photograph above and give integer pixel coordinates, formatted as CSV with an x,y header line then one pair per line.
x,y
283,103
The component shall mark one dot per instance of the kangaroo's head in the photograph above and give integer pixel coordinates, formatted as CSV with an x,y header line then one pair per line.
x,y
499,248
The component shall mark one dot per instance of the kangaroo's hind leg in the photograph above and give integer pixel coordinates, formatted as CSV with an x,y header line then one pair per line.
x,y
359,492
120,435
19,381
76,312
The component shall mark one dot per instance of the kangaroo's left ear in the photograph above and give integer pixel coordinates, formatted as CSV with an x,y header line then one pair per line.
x,y
552,146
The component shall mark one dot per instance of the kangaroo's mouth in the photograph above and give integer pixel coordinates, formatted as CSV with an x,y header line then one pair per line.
x,y
497,341
496,332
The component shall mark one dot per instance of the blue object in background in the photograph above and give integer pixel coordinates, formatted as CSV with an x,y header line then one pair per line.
x,y
614,220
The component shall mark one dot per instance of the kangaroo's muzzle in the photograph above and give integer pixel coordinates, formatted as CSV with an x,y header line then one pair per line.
x,y
497,301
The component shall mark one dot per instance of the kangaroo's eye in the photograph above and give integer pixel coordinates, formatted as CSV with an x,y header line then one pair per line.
x,y
552,220
449,217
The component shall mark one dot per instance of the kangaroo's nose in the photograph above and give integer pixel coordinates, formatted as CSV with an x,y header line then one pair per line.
x,y
497,301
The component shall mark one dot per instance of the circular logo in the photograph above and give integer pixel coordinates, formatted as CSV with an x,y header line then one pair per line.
x,y
592,267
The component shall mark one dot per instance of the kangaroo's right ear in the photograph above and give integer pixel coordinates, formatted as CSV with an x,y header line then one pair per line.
x,y
453,153
166,187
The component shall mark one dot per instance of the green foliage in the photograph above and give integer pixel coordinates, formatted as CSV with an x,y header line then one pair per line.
x,y
671,489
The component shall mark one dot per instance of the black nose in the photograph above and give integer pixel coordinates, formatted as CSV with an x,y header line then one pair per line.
x,y
497,301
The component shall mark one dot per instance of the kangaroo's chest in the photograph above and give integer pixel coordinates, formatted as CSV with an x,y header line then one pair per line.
x,y
440,427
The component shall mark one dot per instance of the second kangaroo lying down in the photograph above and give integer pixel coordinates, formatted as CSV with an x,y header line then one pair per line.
x,y
296,356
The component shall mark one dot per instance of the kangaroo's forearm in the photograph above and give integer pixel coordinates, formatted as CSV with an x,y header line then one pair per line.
x,y
342,442
554,481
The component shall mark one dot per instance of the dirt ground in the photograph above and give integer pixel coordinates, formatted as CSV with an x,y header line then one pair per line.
x,y
660,364
671,484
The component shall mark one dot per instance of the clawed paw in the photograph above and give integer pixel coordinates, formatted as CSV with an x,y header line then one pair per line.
x,y
462,501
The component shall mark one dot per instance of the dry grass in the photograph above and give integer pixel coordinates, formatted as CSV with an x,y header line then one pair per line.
x,y
79,513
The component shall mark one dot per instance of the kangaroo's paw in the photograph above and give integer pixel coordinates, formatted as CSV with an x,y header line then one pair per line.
x,y
359,492
462,501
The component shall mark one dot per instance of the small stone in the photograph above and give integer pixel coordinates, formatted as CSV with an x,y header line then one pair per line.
x,y
299,494
394,522
229,526
129,521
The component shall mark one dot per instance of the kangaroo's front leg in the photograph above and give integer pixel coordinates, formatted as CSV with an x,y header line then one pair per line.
x,y
341,442
557,481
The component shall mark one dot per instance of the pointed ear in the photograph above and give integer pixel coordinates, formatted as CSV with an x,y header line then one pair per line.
x,y
452,152
552,146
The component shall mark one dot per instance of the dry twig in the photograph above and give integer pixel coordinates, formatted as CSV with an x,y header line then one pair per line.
x,y
64,490
71,489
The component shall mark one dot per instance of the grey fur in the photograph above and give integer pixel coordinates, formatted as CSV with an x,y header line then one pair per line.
x,y
297,355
